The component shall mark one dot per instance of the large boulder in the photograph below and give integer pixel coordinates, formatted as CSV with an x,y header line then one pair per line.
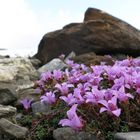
x,y
17,76
7,94
17,71
13,131
55,64
39,107
7,111
15,68
100,33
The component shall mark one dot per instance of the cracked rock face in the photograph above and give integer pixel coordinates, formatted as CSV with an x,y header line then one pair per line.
x,y
54,64
7,94
11,68
12,130
7,111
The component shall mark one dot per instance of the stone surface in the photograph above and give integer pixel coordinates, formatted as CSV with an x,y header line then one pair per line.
x,y
13,68
55,64
29,93
69,134
34,76
4,56
93,59
35,62
96,14
70,56
2,137
127,136
12,130
19,116
7,111
100,33
7,94
39,107
18,72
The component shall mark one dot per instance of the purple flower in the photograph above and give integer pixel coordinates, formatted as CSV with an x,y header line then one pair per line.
x,y
126,62
138,82
128,80
84,68
49,98
72,64
46,76
136,62
97,70
73,120
40,83
57,74
70,99
118,83
122,96
64,87
108,94
94,80
94,96
26,103
84,78
138,91
80,85
77,95
113,72
110,106
83,88
67,73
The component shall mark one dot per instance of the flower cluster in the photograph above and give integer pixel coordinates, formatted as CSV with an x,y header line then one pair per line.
x,y
26,103
104,89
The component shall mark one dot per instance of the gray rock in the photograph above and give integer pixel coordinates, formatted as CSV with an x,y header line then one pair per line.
x,y
7,94
18,116
7,111
35,62
39,107
69,134
29,93
10,68
5,56
119,56
18,71
70,56
26,85
55,64
127,136
3,137
1,57
34,76
12,130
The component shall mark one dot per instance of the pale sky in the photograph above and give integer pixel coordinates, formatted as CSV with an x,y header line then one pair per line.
x,y
24,22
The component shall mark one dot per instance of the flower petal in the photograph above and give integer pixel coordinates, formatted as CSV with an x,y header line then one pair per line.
x,y
103,102
117,112
103,109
